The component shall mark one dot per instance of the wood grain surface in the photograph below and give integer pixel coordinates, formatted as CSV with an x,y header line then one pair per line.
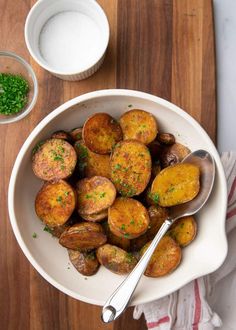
x,y
164,47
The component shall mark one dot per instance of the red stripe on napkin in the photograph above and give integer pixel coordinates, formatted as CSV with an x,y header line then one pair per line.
x,y
233,187
152,325
197,313
231,213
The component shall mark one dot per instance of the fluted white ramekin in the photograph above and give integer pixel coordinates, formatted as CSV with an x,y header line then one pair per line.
x,y
43,10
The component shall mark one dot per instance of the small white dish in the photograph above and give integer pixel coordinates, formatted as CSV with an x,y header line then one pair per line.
x,y
68,38
204,255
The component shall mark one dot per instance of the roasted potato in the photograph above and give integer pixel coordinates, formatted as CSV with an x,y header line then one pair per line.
x,y
166,138
173,154
85,262
101,132
95,217
63,135
92,164
128,218
122,242
130,167
165,258
53,160
115,259
139,125
76,134
95,195
55,202
183,231
176,184
83,236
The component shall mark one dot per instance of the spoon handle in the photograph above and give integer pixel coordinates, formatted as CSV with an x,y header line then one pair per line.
x,y
120,298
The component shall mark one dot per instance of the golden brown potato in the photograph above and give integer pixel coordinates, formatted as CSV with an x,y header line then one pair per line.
x,y
92,164
128,218
101,132
76,134
95,217
183,231
83,236
115,259
58,230
165,258
53,160
85,262
95,195
176,184
139,125
166,138
130,167
63,135
173,154
122,242
55,203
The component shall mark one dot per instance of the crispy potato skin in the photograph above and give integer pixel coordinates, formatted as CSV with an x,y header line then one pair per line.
x,y
76,134
173,154
101,132
55,203
166,138
128,218
165,258
54,160
95,217
176,184
115,259
130,167
139,125
92,164
183,231
85,263
84,236
95,195
122,242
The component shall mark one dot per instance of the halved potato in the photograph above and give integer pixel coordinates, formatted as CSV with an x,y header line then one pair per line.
x,y
63,135
85,262
83,236
165,258
166,138
55,203
101,132
76,134
122,242
157,216
128,218
53,160
183,231
95,195
115,259
176,184
92,164
96,216
130,167
139,125
173,154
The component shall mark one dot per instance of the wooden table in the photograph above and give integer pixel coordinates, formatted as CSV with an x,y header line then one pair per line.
x,y
164,47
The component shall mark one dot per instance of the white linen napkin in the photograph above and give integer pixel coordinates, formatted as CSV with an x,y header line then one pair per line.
x,y
188,308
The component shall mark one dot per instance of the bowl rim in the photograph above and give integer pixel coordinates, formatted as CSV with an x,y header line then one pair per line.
x,y
58,111
9,119
59,72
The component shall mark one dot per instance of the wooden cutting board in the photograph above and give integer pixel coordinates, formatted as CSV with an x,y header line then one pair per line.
x,y
164,47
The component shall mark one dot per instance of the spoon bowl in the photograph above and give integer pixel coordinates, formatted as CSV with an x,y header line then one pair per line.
x,y
121,297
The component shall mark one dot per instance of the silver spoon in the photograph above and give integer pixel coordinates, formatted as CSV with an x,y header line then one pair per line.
x,y
120,298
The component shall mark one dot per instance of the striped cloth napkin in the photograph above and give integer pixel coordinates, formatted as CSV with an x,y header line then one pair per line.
x,y
188,308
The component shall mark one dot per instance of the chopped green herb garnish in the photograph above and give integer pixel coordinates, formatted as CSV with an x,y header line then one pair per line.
x,y
126,235
14,91
49,230
83,152
34,235
62,167
66,193
154,197
102,195
61,149
59,199
122,227
129,257
132,222
130,106
87,196
117,166
59,158
37,147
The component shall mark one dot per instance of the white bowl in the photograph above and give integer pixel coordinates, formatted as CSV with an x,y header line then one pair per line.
x,y
204,255
91,34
